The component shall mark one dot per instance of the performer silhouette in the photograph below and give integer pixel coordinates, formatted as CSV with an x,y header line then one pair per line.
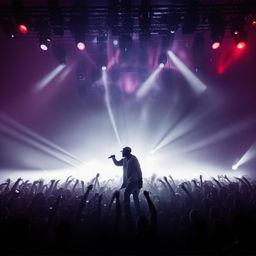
x,y
132,178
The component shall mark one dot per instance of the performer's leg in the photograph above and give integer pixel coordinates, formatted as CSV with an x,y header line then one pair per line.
x,y
136,201
127,194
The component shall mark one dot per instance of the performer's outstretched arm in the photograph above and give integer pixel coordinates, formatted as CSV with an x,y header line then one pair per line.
x,y
116,162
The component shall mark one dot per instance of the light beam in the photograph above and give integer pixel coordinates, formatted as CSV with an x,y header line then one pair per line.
x,y
46,80
36,137
108,105
148,84
20,137
197,85
247,156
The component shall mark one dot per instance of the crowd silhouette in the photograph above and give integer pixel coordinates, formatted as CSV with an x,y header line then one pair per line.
x,y
215,216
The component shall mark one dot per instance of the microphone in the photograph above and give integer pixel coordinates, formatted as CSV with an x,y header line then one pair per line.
x,y
111,156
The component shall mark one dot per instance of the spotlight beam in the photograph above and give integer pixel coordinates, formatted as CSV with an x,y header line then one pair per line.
x,y
247,156
219,136
109,108
46,80
148,84
181,127
35,136
197,85
20,137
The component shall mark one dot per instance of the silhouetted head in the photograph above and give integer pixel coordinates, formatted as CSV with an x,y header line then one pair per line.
x,y
126,151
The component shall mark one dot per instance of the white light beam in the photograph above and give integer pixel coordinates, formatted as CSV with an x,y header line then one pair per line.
x,y
147,85
20,137
46,80
248,155
108,105
197,85
36,136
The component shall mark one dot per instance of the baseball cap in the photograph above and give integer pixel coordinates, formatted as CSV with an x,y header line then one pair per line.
x,y
126,149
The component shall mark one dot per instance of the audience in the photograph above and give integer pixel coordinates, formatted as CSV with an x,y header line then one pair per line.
x,y
215,216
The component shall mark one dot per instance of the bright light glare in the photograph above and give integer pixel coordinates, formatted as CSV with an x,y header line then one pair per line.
x,y
235,167
248,155
46,80
195,82
107,170
80,46
148,84
241,45
161,65
23,29
115,42
215,45
103,68
44,47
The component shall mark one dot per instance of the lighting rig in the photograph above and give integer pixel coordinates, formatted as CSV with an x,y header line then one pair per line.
x,y
124,18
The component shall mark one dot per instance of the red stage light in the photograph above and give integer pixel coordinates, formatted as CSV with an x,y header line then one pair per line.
x,y
23,29
254,22
215,45
241,45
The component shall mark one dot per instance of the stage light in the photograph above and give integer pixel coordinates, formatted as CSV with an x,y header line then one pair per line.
x,y
21,22
78,28
23,29
235,167
44,43
217,25
254,22
241,40
215,45
80,46
161,65
44,47
103,68
44,34
241,45
115,42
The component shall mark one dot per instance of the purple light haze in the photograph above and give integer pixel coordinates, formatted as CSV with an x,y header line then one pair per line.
x,y
71,113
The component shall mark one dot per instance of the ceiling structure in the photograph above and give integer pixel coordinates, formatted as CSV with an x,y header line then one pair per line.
x,y
100,14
